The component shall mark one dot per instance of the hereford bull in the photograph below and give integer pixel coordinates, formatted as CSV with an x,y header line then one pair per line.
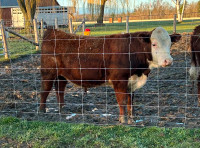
x,y
123,60
195,58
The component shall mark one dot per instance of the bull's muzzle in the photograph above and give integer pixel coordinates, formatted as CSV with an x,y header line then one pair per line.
x,y
167,62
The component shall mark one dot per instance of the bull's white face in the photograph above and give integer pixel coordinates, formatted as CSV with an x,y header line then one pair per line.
x,y
160,48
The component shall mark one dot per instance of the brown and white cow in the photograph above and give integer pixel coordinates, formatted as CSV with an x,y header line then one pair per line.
x,y
124,60
195,58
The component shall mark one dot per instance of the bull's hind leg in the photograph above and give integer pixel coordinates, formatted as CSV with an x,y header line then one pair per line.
x,y
47,83
60,85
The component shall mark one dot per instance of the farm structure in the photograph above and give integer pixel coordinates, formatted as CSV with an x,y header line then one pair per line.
x,y
47,14
6,10
13,16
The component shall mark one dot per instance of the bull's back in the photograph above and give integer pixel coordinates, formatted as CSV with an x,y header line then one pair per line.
x,y
90,50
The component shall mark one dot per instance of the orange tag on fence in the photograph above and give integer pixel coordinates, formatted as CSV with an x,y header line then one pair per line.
x,y
87,32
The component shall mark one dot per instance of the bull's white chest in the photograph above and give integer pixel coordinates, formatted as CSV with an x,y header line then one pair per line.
x,y
135,82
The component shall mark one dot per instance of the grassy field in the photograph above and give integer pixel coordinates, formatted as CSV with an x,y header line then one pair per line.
x,y
185,26
18,49
21,133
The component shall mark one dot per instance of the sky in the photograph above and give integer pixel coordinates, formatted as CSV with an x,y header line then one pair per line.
x,y
137,3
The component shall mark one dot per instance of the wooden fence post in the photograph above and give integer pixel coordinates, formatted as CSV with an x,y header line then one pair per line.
x,y
70,25
56,23
127,24
83,27
36,33
42,28
174,24
5,45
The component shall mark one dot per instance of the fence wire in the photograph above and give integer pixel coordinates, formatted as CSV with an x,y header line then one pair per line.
x,y
168,98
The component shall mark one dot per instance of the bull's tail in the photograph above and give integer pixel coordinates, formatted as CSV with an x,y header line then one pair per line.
x,y
194,70
195,55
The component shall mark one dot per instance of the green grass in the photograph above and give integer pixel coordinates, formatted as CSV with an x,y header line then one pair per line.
x,y
51,134
185,26
18,49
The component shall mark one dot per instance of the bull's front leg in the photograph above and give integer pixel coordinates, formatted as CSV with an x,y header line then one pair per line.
x,y
130,108
60,85
120,88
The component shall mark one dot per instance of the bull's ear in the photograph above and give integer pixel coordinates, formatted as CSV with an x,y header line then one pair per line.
x,y
144,37
175,37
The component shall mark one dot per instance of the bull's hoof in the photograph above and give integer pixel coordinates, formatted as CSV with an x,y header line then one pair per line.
x,y
130,121
42,110
122,119
62,109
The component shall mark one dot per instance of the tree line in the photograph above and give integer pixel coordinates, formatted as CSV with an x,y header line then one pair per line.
x,y
164,10
154,9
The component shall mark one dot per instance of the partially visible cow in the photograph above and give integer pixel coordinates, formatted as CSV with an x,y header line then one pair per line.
x,y
195,58
123,60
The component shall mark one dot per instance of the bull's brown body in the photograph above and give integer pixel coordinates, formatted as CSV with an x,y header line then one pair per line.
x,y
92,61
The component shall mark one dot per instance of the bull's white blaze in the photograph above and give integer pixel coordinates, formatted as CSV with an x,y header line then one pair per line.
x,y
194,72
160,48
135,82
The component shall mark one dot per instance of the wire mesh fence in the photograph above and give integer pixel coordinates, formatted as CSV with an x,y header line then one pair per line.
x,y
167,99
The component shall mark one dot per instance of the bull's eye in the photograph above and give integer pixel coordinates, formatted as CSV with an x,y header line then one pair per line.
x,y
154,45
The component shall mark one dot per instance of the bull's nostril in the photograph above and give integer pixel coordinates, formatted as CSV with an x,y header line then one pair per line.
x,y
167,62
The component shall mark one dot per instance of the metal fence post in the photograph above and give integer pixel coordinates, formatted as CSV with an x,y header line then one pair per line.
x,y
36,33
174,24
56,23
5,45
83,25
127,24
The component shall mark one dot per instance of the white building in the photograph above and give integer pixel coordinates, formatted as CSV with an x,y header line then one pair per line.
x,y
17,17
48,14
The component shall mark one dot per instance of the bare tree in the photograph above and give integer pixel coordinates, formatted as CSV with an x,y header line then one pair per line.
x,y
28,8
92,8
101,14
98,5
112,6
127,6
159,9
123,6
179,10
